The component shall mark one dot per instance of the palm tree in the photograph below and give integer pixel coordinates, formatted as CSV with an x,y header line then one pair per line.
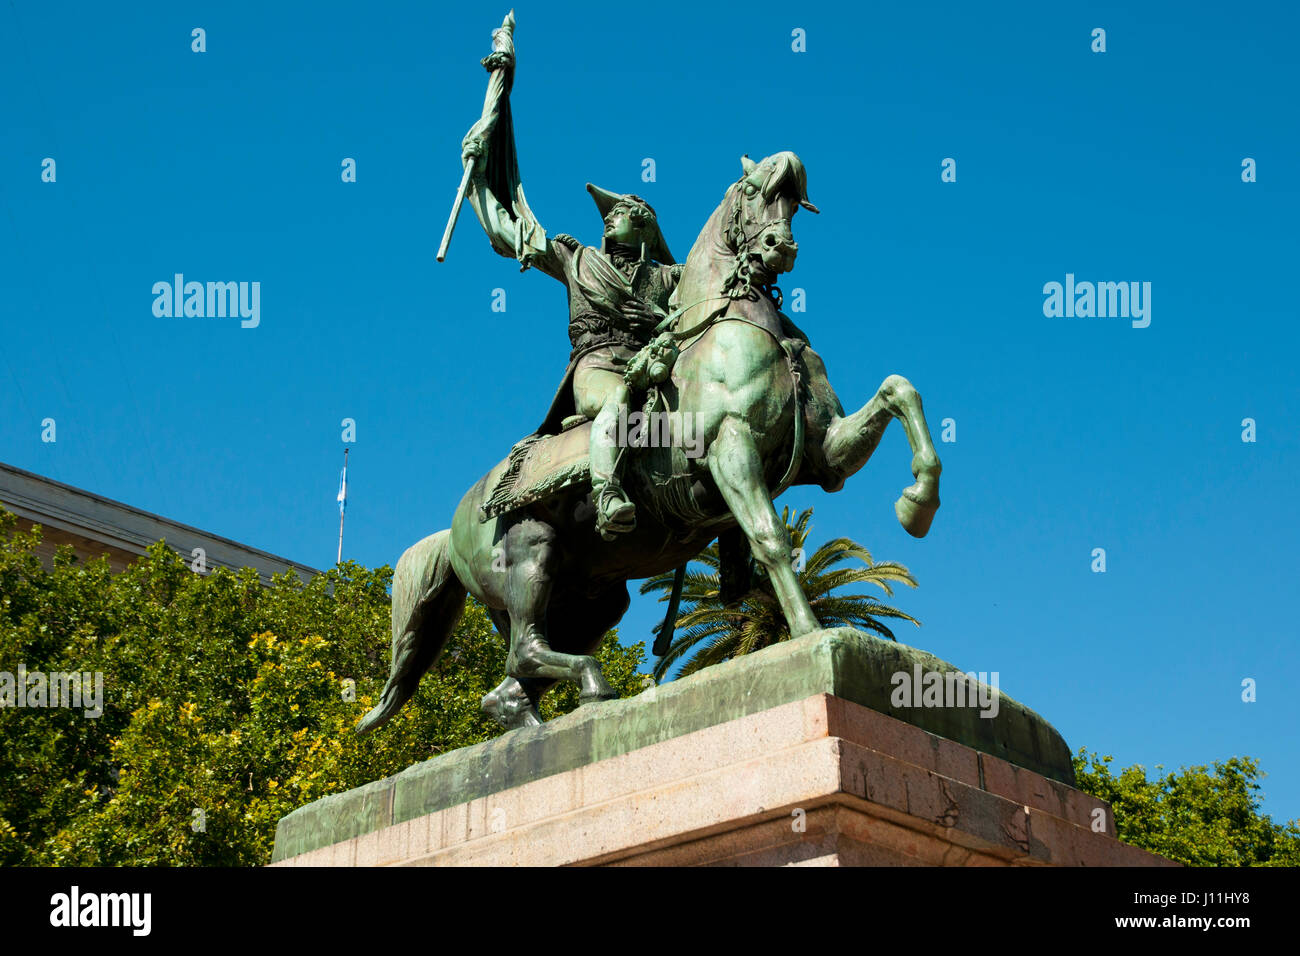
x,y
713,632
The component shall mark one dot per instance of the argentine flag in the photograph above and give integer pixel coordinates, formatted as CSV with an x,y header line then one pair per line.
x,y
343,490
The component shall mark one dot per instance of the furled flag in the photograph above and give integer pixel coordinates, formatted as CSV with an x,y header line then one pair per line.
x,y
343,488
343,499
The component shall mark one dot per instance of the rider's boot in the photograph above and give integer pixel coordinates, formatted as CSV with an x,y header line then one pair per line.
x,y
615,515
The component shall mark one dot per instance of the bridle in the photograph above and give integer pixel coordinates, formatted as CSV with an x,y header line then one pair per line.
x,y
739,284
736,232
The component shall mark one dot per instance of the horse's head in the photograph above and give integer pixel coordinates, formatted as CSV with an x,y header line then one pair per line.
x,y
768,195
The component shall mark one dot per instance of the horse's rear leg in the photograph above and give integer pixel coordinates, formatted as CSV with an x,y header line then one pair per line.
x,y
738,472
513,703
531,557
851,440
582,626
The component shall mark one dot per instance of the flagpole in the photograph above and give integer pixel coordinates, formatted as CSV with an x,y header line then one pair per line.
x,y
498,84
343,501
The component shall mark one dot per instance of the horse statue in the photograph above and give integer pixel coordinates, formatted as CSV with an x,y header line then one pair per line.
x,y
523,540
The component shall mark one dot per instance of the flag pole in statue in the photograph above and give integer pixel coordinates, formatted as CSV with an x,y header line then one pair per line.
x,y
500,64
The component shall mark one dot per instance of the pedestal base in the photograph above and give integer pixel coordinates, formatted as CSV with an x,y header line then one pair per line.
x,y
817,780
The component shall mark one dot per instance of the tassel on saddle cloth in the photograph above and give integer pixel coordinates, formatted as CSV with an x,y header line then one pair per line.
x,y
538,467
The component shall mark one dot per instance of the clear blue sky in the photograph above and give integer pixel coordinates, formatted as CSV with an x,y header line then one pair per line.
x,y
1072,434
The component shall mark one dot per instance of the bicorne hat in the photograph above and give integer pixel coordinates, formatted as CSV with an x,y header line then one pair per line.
x,y
656,247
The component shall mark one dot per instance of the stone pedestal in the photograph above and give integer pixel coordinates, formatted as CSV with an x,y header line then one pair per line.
x,y
794,755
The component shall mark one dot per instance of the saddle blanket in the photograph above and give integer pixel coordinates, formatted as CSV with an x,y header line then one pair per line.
x,y
539,466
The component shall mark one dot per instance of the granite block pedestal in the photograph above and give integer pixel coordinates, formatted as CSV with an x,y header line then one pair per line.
x,y
793,755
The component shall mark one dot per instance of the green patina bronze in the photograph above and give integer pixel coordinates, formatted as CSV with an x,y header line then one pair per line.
x,y
842,662
740,404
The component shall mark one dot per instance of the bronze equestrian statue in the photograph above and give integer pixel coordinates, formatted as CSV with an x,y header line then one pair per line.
x,y
720,357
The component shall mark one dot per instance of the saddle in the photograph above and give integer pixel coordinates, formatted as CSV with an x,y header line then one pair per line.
x,y
541,465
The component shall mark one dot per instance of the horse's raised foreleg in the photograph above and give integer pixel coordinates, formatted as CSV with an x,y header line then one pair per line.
x,y
737,470
531,557
851,440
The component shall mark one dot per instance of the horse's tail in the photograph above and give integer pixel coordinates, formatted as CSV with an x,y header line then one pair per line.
x,y
427,602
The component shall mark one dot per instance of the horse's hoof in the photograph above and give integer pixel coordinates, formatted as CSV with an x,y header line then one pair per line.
x,y
528,718
491,705
510,714
595,696
915,516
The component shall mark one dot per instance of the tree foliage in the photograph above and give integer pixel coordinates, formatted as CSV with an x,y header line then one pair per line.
x,y
226,704
1200,816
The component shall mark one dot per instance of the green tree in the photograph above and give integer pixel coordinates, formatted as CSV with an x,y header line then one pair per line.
x,y
1200,816
226,704
714,631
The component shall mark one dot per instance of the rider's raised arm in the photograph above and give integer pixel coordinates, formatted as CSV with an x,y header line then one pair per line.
x,y
512,229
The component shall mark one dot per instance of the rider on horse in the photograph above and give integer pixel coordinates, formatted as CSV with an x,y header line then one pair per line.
x,y
618,294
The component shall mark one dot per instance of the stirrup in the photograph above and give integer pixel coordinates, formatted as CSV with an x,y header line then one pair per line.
x,y
623,518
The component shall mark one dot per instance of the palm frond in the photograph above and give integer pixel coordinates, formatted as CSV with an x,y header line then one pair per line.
x,y
710,633
833,552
